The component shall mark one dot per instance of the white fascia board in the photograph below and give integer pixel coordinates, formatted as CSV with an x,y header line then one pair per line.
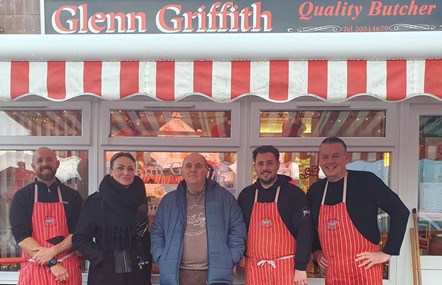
x,y
187,47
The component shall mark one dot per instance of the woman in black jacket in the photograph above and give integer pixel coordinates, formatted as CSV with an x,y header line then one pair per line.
x,y
112,231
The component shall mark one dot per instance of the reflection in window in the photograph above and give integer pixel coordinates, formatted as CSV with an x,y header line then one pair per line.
x,y
170,123
430,185
303,168
16,172
40,123
161,173
313,123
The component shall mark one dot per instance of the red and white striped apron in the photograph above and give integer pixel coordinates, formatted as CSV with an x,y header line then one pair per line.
x,y
341,242
48,221
270,246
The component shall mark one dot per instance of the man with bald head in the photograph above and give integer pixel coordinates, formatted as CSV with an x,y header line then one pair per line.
x,y
43,216
198,234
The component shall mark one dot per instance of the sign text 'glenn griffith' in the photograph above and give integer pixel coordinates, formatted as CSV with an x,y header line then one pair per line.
x,y
245,16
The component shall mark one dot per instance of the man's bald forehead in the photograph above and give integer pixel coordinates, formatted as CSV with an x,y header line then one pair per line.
x,y
195,155
41,150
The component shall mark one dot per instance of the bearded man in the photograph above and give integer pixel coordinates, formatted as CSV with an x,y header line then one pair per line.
x,y
43,216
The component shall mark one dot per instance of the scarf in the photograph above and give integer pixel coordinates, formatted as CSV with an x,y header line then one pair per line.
x,y
119,210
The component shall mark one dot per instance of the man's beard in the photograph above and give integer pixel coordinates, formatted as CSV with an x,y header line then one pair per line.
x,y
269,180
46,176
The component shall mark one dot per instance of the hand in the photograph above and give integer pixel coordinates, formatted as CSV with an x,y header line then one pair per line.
x,y
370,259
300,277
242,263
43,255
60,273
320,258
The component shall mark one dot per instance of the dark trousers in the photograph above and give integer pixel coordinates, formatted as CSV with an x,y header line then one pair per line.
x,y
193,277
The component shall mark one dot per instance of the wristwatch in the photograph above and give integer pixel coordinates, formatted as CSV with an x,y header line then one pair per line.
x,y
52,262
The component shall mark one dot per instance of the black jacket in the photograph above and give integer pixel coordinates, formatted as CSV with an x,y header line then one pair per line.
x,y
99,253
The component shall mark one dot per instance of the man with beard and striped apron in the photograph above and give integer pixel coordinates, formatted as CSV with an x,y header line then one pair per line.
x,y
48,221
43,214
279,225
270,247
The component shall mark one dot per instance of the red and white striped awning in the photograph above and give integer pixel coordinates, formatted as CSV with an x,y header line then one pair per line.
x,y
277,81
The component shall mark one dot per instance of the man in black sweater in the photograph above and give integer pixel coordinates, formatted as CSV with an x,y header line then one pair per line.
x,y
279,226
344,209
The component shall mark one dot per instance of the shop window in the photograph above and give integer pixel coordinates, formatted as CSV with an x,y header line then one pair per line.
x,y
194,124
40,123
16,172
303,168
161,172
318,123
430,185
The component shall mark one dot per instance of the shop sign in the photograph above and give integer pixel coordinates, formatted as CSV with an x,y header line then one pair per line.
x,y
245,16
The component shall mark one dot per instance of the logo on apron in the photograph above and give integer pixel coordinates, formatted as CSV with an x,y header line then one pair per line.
x,y
332,225
266,222
49,221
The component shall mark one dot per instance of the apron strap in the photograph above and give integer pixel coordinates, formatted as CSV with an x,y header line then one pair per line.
x,y
344,194
276,196
60,199
271,262
35,193
256,196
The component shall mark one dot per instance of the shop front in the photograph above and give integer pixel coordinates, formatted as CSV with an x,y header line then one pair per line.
x,y
161,96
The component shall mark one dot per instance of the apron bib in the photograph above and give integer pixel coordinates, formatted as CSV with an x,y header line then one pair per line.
x,y
48,221
341,241
270,246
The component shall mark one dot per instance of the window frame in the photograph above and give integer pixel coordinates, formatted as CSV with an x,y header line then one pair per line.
x,y
416,110
301,142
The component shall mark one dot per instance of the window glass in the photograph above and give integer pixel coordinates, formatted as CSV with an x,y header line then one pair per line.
x,y
303,168
430,185
40,123
170,123
16,172
314,123
161,172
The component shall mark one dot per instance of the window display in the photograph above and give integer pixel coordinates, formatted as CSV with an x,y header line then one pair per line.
x,y
196,124
315,123
41,123
161,171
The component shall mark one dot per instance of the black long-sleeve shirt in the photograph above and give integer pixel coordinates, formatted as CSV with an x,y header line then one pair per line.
x,y
366,193
22,206
293,209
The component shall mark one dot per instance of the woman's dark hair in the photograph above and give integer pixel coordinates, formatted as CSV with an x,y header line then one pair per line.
x,y
121,154
331,140
265,149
